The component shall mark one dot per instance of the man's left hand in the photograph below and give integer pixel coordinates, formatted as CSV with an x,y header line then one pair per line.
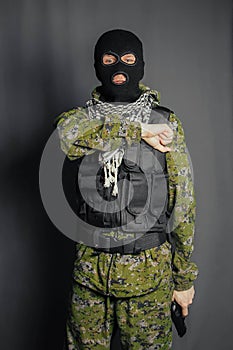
x,y
184,299
157,136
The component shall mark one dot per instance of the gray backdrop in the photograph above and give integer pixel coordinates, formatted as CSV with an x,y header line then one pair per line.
x,y
46,68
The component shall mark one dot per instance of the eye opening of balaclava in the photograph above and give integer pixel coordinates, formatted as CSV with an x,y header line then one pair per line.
x,y
118,58
118,43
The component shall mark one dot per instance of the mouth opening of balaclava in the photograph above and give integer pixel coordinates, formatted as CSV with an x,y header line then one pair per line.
x,y
120,80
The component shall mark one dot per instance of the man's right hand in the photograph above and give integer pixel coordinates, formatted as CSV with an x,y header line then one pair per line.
x,y
184,299
157,136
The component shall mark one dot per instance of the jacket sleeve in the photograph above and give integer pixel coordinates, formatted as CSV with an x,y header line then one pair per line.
x,y
182,206
81,136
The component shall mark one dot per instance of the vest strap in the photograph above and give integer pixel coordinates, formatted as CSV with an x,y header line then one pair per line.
x,y
147,241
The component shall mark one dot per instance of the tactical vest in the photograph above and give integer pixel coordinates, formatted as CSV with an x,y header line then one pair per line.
x,y
142,200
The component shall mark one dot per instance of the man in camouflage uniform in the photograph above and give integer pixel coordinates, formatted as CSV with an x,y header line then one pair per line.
x,y
134,290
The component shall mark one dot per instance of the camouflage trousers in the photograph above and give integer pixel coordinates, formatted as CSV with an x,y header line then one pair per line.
x,y
144,321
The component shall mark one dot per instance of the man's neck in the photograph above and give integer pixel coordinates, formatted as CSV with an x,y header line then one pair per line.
x,y
124,97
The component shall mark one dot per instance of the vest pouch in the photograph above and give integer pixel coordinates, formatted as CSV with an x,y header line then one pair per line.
x,y
159,196
151,160
99,212
141,187
94,205
87,187
156,213
148,161
131,158
133,217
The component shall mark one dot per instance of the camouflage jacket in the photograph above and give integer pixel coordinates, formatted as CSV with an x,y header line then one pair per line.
x,y
134,275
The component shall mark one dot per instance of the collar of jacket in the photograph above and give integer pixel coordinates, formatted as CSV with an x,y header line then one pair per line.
x,y
144,89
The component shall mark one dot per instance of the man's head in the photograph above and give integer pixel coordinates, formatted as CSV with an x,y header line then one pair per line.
x,y
119,65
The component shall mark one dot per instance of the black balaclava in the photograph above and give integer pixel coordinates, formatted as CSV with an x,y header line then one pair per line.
x,y
119,42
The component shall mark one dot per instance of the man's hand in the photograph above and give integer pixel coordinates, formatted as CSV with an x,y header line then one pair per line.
x,y
157,136
157,143
184,299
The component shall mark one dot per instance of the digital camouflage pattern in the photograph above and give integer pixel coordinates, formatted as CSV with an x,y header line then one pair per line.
x,y
123,275
138,282
182,202
88,135
144,321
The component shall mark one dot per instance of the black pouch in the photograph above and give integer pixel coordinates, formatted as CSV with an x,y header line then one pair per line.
x,y
178,319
